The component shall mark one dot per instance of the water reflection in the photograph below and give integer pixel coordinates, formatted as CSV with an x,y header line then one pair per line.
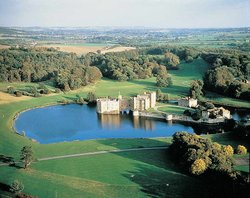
x,y
114,122
109,121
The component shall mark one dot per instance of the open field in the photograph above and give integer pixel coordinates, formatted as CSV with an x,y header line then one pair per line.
x,y
84,49
7,98
137,174
76,49
117,49
4,46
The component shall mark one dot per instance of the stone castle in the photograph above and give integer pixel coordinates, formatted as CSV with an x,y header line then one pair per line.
x,y
120,105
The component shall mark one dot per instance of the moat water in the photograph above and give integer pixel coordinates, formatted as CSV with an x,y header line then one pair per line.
x,y
81,122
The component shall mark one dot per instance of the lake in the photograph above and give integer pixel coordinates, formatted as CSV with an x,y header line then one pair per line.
x,y
81,122
73,122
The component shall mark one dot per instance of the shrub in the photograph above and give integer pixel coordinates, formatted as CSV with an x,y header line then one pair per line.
x,y
187,112
80,100
209,105
228,150
36,95
216,146
16,187
189,59
241,150
18,93
33,90
42,86
64,101
198,167
57,90
11,90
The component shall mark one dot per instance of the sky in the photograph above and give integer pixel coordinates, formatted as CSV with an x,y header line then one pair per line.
x,y
126,13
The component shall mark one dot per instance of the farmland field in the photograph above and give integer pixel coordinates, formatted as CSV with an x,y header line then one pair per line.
x,y
4,46
87,47
76,49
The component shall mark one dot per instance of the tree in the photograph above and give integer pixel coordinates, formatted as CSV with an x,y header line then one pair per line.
x,y
228,150
80,100
91,97
171,59
198,167
241,150
163,80
196,89
16,187
189,59
93,73
159,95
26,156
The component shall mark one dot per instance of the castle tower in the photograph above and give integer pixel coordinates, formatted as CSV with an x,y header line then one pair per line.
x,y
152,99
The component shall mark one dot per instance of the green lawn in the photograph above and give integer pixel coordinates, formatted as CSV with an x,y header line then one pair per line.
x,y
172,109
129,174
223,100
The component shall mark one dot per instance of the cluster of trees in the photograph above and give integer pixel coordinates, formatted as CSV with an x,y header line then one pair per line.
x,y
212,162
228,74
197,154
187,54
70,72
36,65
129,65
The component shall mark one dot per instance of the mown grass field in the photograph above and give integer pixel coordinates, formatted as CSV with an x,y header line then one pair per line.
x,y
172,109
137,174
134,174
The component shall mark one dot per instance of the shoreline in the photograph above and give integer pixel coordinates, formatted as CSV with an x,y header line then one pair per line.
x,y
149,116
27,109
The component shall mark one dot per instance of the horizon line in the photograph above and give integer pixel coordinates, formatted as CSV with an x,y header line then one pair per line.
x,y
124,27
